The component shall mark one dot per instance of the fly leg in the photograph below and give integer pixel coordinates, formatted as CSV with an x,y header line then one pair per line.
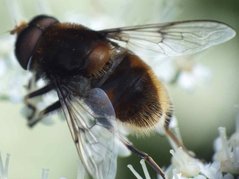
x,y
34,115
175,140
144,156
39,115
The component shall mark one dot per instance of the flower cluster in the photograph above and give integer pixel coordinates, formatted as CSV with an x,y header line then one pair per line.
x,y
225,164
11,75
4,165
227,151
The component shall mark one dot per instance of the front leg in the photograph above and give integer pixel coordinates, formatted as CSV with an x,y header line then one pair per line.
x,y
39,115
34,114
29,102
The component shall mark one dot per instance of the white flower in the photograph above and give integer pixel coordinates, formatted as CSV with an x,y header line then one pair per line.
x,y
227,151
184,164
166,71
183,71
4,167
225,162
145,170
11,75
45,173
213,171
196,75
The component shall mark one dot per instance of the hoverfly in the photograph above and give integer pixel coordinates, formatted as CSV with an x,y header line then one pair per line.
x,y
100,80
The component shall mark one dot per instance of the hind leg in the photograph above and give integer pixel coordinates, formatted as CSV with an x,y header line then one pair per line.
x,y
174,138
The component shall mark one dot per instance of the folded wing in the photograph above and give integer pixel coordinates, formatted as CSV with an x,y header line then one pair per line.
x,y
91,122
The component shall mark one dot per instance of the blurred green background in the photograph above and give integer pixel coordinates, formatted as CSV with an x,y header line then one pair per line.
x,y
199,112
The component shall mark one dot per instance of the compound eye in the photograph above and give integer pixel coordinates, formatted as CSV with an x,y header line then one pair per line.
x,y
29,36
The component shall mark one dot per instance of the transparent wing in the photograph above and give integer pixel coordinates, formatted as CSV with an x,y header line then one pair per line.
x,y
91,122
173,38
